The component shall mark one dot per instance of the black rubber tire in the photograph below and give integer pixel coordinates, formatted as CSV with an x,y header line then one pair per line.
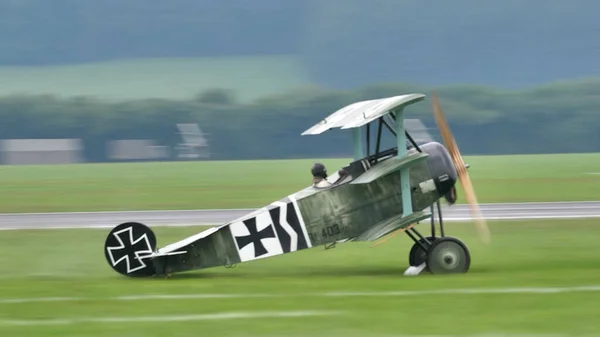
x,y
448,255
416,255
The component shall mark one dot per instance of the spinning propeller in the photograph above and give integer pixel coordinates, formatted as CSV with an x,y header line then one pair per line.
x,y
463,176
461,168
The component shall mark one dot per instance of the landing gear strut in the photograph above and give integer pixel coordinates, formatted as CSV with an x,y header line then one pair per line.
x,y
438,254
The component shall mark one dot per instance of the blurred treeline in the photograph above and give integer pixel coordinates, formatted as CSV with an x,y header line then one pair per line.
x,y
562,117
349,45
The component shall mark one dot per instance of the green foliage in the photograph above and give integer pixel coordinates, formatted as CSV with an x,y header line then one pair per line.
x,y
559,117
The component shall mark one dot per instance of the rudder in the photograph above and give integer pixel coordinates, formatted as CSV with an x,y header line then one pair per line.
x,y
125,247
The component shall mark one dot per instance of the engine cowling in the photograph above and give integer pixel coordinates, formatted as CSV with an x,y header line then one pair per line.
x,y
442,170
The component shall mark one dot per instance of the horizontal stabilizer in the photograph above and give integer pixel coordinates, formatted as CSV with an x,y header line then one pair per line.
x,y
391,224
389,166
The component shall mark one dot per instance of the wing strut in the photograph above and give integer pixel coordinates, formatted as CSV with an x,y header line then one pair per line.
x,y
407,208
358,149
368,139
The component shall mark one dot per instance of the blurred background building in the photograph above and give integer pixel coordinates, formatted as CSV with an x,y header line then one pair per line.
x,y
41,151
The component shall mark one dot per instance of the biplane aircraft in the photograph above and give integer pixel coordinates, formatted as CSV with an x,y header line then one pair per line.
x,y
383,193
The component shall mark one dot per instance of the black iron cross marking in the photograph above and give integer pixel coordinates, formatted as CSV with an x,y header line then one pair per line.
x,y
255,237
130,249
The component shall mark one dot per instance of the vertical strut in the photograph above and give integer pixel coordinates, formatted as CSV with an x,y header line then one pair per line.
x,y
368,139
378,143
407,208
358,150
441,220
432,221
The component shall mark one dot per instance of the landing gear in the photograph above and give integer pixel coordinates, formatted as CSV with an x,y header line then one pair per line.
x,y
418,254
448,255
441,254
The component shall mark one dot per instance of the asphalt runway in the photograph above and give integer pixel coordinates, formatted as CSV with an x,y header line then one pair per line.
x,y
513,211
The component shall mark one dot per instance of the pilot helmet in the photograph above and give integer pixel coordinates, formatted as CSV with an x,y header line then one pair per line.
x,y
319,170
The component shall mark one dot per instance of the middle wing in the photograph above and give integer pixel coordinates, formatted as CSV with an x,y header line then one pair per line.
x,y
390,225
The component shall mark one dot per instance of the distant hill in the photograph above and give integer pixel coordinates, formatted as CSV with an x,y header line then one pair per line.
x,y
340,43
248,78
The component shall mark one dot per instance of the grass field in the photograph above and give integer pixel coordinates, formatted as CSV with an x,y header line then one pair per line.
x,y
250,77
221,184
536,278
73,292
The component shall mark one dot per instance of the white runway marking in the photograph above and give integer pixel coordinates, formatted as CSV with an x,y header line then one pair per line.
x,y
171,318
490,335
458,291
541,290
527,217
39,299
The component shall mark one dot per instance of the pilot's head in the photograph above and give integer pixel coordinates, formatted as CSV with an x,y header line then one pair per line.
x,y
319,171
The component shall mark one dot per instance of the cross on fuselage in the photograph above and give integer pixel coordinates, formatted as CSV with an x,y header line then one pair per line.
x,y
255,237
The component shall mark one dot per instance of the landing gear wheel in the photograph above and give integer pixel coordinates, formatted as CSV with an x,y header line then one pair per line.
x,y
125,248
417,256
448,255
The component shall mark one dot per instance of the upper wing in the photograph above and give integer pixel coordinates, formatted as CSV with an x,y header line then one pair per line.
x,y
361,113
340,117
